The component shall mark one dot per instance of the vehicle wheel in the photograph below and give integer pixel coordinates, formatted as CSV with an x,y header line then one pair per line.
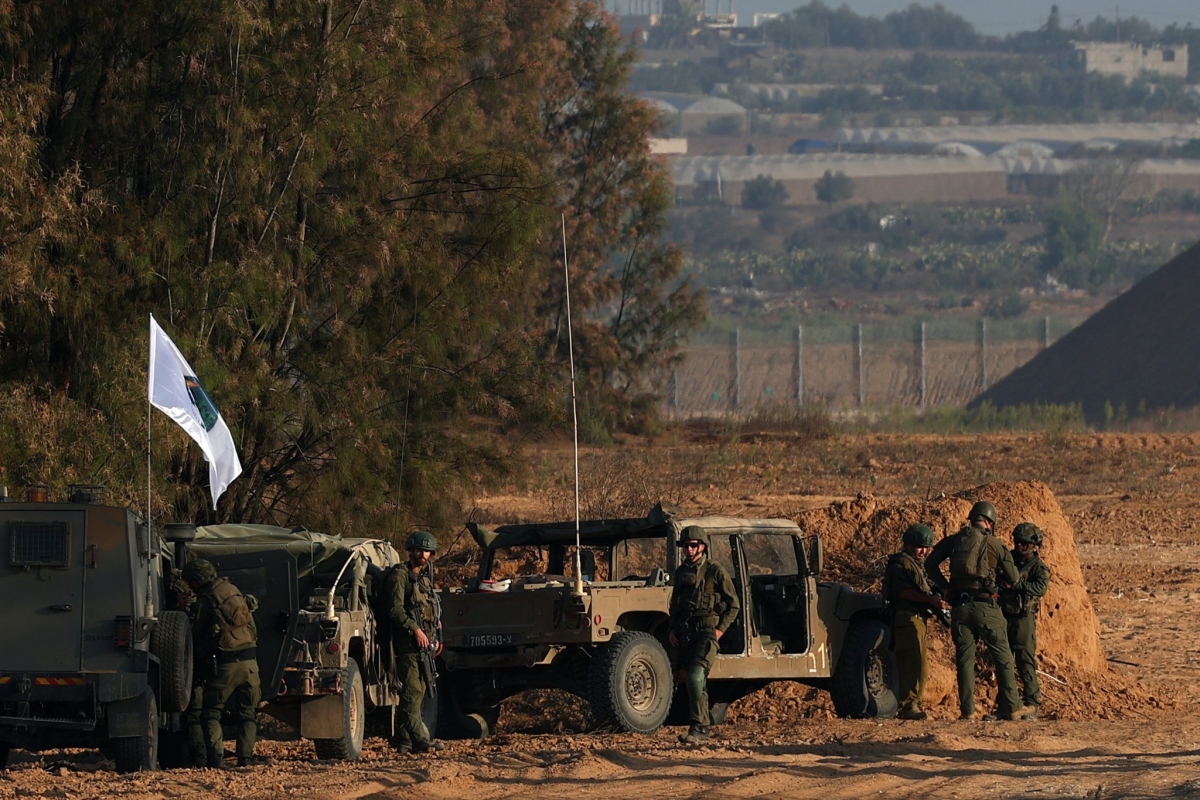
x,y
347,747
462,712
629,683
171,641
139,753
865,681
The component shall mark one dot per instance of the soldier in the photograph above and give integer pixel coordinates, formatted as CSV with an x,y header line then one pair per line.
x,y
977,561
911,601
1020,606
225,642
416,629
185,601
704,603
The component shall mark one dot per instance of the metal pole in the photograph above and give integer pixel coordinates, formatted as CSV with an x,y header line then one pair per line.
x,y
858,342
924,370
737,368
800,366
983,375
675,389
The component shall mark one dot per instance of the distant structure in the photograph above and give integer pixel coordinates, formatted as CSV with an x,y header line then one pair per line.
x,y
1129,59
645,14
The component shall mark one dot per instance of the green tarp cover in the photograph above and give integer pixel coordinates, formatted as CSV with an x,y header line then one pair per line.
x,y
607,532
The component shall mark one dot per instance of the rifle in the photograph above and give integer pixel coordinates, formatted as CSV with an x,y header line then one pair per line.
x,y
427,663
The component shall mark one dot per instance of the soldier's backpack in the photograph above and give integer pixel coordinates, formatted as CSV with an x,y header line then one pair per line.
x,y
972,562
238,630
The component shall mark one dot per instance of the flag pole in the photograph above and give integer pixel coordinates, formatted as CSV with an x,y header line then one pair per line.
x,y
149,489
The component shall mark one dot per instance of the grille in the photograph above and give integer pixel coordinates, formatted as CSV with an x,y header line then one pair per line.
x,y
39,544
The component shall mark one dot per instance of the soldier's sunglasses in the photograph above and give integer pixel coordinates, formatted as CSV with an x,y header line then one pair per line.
x,y
693,545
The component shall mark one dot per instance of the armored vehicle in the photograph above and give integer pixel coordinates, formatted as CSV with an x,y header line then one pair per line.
x,y
324,647
91,656
520,623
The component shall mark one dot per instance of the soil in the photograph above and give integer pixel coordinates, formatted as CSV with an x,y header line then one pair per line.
x,y
1117,635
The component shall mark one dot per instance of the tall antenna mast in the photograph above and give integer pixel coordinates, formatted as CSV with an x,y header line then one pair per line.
x,y
574,411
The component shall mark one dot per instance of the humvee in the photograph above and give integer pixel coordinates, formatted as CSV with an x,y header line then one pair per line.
x,y
520,623
324,648
92,658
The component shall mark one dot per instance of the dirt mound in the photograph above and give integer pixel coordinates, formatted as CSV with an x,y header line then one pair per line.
x,y
861,533
1139,350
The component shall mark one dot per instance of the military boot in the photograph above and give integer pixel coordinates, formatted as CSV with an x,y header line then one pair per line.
x,y
1022,712
425,747
696,734
912,712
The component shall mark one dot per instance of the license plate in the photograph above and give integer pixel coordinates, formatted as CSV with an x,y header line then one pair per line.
x,y
489,639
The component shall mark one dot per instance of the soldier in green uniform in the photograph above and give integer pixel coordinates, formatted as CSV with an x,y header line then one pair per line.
x,y
704,603
910,601
225,636
185,601
416,633
979,564
1020,606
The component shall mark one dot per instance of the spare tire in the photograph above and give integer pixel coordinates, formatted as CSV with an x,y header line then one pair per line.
x,y
171,642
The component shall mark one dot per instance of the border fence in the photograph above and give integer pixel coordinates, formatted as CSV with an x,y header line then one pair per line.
x,y
854,365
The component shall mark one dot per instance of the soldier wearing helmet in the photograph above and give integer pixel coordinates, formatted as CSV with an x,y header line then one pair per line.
x,y
224,638
416,627
1020,606
704,603
910,601
980,565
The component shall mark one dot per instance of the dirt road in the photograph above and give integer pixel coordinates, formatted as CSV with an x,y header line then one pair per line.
x,y
1130,500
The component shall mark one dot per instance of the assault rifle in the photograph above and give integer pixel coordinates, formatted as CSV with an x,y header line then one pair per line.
x,y
942,614
427,662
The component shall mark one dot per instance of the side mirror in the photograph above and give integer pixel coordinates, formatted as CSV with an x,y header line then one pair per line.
x,y
814,555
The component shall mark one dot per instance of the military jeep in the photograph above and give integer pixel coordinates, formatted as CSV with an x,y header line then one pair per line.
x,y
521,623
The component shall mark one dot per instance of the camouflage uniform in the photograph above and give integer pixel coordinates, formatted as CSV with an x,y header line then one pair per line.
x,y
413,605
1020,606
975,615
904,571
703,601
225,638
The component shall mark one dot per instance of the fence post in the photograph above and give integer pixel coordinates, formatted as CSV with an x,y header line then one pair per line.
x,y
858,343
924,372
1045,332
737,369
983,375
675,390
799,366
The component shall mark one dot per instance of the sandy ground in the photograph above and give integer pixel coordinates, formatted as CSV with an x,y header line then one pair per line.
x,y
1129,499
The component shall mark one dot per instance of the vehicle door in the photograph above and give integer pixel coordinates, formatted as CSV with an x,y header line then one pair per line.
x,y
724,550
269,575
778,592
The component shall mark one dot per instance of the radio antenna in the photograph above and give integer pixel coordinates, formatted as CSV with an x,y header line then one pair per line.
x,y
574,410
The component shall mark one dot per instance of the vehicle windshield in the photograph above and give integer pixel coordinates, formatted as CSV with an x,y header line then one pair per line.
x,y
632,559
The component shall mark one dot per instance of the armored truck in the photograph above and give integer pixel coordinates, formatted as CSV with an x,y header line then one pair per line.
x,y
523,622
91,656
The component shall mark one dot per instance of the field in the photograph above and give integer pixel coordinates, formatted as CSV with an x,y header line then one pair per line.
x,y
1120,509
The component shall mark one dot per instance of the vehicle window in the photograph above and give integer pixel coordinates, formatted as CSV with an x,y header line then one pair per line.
x,y
768,554
637,558
721,552
511,562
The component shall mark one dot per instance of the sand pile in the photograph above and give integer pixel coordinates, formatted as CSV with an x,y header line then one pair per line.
x,y
1139,350
1077,684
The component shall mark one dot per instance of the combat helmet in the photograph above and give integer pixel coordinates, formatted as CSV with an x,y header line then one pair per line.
x,y
422,539
1028,533
199,570
983,510
919,535
693,533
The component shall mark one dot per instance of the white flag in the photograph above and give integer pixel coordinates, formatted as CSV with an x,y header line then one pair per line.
x,y
175,391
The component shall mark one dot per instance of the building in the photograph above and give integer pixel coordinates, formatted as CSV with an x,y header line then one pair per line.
x,y
1130,59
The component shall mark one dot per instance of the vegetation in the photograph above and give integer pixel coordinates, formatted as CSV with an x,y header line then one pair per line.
x,y
763,192
834,187
349,219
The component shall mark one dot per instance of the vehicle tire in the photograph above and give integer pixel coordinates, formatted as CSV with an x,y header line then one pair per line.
x,y
462,714
171,641
139,753
348,746
630,683
865,681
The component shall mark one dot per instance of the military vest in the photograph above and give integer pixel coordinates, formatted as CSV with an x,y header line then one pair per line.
x,y
233,617
698,588
972,560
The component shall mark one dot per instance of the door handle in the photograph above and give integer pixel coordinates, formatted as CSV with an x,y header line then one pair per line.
x,y
62,607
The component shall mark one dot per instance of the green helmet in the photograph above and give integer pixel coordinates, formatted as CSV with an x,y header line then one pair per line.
x,y
693,533
421,539
919,534
983,510
199,570
1028,533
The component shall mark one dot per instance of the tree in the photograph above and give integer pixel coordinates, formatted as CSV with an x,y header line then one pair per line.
x,y
833,187
1099,184
1072,232
763,192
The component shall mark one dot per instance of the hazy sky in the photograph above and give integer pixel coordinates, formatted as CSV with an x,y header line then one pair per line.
x,y
998,17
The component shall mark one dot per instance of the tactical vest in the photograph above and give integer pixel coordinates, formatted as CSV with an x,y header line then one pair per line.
x,y
704,605
1014,603
972,561
233,616
892,601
